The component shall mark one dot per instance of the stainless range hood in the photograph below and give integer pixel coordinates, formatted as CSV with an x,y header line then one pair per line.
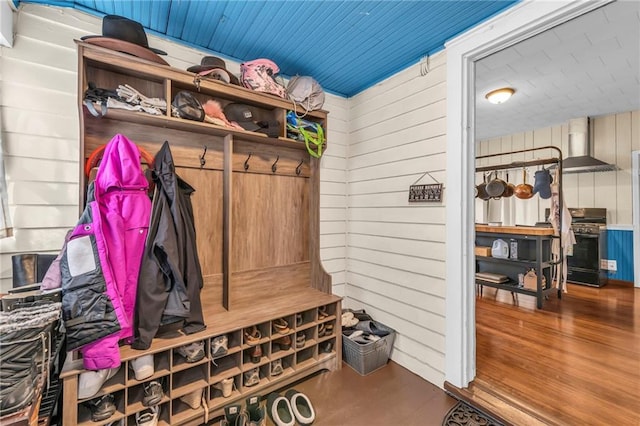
x,y
580,159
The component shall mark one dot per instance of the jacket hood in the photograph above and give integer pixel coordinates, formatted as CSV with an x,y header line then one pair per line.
x,y
120,167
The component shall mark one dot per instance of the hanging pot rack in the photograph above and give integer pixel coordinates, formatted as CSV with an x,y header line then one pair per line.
x,y
555,162
521,164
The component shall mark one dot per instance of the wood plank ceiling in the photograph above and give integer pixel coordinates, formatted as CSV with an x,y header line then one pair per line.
x,y
347,46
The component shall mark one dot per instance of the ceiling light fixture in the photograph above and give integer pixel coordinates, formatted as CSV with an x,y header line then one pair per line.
x,y
500,95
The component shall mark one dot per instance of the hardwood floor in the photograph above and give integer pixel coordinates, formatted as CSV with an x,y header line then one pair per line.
x,y
574,362
389,396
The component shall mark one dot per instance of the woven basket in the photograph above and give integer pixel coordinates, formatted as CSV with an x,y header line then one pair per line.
x,y
193,399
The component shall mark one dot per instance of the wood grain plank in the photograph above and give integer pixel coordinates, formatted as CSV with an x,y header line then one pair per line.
x,y
270,224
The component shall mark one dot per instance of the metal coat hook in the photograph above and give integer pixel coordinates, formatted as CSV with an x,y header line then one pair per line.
x,y
202,160
273,166
299,167
246,163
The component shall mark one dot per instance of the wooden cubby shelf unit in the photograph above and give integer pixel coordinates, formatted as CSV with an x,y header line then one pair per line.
x,y
256,211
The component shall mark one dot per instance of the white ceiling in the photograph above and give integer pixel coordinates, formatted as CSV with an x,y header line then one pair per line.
x,y
588,66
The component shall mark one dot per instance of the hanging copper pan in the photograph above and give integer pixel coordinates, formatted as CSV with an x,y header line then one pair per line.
x,y
524,191
509,189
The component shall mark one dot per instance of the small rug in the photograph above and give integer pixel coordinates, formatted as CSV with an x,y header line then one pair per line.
x,y
465,415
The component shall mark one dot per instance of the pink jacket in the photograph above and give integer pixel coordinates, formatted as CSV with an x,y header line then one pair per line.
x,y
120,191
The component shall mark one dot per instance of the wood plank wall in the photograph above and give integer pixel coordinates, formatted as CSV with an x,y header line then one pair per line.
x,y
615,136
38,79
396,249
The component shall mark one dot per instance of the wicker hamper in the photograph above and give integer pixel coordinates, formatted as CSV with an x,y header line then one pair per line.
x,y
368,358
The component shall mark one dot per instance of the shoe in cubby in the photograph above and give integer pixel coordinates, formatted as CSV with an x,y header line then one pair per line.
x,y
193,399
280,326
306,318
251,377
106,408
219,346
225,387
90,382
325,329
149,416
323,312
253,335
147,394
282,343
190,353
142,367
327,346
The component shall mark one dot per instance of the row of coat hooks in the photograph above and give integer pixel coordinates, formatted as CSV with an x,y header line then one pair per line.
x,y
274,166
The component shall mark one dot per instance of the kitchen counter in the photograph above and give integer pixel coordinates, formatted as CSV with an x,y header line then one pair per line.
x,y
519,230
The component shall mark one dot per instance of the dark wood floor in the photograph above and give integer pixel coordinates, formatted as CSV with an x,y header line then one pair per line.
x,y
390,396
574,362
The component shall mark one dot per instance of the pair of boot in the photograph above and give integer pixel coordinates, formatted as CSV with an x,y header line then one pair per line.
x,y
25,334
252,415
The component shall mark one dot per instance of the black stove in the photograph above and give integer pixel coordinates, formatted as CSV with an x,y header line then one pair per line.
x,y
589,226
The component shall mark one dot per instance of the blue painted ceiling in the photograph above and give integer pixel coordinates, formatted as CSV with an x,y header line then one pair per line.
x,y
347,46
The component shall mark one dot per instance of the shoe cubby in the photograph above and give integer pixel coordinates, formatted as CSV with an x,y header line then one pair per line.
x,y
84,412
186,381
282,326
326,330
326,312
182,408
309,337
255,355
306,357
136,394
261,266
164,416
307,319
234,344
282,345
254,377
161,367
114,384
281,367
256,334
180,362
327,348
217,390
226,366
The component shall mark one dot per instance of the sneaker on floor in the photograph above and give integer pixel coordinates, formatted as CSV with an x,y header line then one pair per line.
x,y
90,382
142,367
102,407
192,352
152,393
148,417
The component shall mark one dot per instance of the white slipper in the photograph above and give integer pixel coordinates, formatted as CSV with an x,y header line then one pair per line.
x,y
349,320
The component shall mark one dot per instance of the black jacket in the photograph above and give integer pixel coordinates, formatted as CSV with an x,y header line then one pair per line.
x,y
170,275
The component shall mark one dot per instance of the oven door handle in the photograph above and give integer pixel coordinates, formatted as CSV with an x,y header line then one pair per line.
x,y
587,236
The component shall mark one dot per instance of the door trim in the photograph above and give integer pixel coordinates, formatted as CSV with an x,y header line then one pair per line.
x,y
635,189
522,21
